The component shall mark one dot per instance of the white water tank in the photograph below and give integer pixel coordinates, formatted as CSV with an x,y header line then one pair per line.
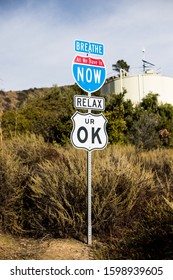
x,y
138,86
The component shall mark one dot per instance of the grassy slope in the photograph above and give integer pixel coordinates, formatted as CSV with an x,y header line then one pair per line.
x,y
44,192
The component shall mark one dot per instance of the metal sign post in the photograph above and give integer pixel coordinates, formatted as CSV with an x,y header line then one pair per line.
x,y
89,170
89,198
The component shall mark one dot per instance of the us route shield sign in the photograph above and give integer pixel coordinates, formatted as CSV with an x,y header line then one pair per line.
x,y
89,131
89,73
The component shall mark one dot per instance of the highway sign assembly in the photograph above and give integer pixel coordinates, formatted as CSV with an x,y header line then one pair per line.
x,y
89,103
89,131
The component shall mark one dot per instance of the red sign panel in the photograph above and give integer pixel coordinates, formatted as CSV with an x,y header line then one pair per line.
x,y
89,61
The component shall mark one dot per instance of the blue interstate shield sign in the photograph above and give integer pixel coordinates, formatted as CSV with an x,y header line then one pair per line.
x,y
89,73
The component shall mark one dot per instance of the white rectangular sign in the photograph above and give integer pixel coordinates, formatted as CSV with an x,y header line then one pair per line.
x,y
89,103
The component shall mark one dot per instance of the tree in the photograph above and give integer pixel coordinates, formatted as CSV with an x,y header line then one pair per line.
x,y
120,64
150,102
143,133
116,125
165,126
166,113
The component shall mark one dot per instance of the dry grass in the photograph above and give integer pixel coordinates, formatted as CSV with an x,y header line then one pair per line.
x,y
44,191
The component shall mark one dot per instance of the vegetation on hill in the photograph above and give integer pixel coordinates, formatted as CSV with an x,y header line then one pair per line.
x,y
43,182
48,113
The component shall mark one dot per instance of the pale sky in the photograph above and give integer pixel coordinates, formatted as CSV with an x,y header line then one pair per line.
x,y
37,37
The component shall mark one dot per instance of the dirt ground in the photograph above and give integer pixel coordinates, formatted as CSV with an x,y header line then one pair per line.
x,y
13,248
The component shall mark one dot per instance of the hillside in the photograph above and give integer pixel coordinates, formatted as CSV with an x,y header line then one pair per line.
x,y
43,182
11,100
12,247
